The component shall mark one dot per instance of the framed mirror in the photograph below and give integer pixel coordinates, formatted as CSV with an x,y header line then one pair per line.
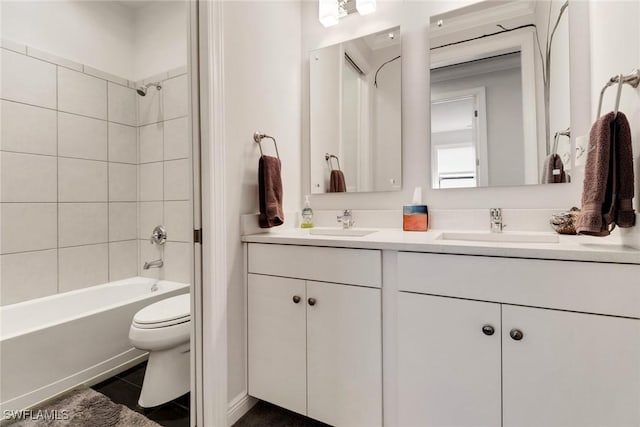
x,y
500,113
356,115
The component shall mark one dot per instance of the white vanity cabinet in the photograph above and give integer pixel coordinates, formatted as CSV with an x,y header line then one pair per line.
x,y
540,366
314,331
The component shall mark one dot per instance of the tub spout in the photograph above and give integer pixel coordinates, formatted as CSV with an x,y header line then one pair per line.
x,y
153,264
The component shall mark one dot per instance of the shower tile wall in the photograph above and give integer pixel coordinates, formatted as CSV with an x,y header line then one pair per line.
x,y
165,175
68,159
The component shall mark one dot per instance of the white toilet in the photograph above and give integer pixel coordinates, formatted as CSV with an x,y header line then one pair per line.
x,y
163,329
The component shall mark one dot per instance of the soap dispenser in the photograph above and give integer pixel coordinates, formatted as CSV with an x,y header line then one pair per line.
x,y
307,214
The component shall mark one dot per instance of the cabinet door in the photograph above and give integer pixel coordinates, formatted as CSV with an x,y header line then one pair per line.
x,y
448,362
276,341
344,354
570,369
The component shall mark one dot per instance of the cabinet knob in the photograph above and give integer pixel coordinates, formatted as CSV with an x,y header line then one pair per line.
x,y
296,299
516,334
312,301
488,330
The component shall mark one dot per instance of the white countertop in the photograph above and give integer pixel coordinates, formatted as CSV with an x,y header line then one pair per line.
x,y
571,248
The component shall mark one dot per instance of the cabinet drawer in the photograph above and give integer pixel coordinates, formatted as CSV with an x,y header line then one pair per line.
x,y
338,265
589,287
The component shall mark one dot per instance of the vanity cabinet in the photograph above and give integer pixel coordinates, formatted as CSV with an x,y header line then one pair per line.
x,y
315,347
467,362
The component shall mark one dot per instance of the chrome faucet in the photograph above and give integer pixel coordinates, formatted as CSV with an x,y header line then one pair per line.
x,y
153,264
496,220
346,219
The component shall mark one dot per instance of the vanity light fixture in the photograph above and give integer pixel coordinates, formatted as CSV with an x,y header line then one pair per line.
x,y
365,7
330,11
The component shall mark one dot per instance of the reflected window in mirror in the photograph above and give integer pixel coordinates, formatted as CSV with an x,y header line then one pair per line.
x,y
356,115
499,95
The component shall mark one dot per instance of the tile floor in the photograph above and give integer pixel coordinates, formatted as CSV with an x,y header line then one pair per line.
x,y
265,414
125,389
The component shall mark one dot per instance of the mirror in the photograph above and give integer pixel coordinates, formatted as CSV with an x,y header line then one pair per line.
x,y
356,115
499,77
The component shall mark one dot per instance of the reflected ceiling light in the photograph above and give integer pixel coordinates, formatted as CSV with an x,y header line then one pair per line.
x,y
365,7
330,11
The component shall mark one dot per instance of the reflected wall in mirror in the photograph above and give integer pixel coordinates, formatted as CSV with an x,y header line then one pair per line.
x,y
500,94
356,115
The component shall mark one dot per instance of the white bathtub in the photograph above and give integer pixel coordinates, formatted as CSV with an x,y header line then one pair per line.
x,y
51,344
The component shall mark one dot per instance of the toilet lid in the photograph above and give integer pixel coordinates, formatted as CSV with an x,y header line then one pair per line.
x,y
167,312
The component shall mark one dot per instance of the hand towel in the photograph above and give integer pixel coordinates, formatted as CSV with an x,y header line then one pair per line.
x,y
608,180
270,192
337,183
553,170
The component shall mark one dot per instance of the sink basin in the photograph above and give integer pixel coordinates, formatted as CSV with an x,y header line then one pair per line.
x,y
351,232
501,237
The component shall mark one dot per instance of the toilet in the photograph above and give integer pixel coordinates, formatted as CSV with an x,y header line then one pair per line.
x,y
163,329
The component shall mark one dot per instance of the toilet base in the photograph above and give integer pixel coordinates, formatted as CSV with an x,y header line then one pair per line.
x,y
167,376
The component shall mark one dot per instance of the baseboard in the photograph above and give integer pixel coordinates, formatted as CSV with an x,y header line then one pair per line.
x,y
239,406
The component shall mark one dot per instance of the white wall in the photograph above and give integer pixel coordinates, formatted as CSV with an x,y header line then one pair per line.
x,y
95,33
615,48
413,18
160,38
262,93
130,42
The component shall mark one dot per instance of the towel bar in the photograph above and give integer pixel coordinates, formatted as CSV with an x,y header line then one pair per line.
x,y
328,158
632,79
259,136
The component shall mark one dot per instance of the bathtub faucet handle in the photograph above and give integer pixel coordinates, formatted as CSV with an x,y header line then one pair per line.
x,y
159,235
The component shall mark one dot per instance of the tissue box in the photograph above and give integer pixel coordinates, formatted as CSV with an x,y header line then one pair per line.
x,y
415,218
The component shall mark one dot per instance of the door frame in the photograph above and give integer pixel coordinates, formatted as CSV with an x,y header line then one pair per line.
x,y
209,374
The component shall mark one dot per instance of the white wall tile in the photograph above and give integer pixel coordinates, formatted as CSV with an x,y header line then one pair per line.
x,y
82,94
123,145
150,252
175,97
105,76
82,224
151,181
123,185
27,80
28,275
178,220
151,143
28,227
14,46
177,178
123,260
151,215
81,137
150,107
27,177
83,266
55,59
27,129
176,139
123,221
122,104
82,180
178,264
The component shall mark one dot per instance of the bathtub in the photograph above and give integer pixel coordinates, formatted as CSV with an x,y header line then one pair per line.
x,y
51,344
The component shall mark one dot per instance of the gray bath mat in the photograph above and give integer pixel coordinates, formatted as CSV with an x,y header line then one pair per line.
x,y
85,408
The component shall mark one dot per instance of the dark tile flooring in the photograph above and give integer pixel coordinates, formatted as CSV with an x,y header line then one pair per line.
x,y
125,389
265,414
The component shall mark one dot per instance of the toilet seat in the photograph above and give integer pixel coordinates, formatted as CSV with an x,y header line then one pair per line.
x,y
165,313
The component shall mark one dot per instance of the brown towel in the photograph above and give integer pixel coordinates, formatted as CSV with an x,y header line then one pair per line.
x,y
337,183
553,170
270,192
608,179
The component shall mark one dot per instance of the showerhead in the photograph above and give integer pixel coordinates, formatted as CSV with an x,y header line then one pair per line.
x,y
142,90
